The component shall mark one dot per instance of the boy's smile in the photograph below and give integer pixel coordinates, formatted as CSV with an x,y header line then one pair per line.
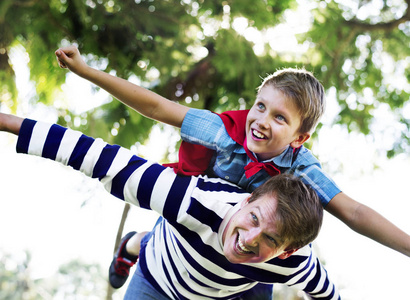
x,y
273,124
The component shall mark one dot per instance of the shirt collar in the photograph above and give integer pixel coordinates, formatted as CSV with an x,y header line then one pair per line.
x,y
285,158
282,160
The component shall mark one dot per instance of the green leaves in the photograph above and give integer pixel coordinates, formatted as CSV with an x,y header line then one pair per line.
x,y
191,50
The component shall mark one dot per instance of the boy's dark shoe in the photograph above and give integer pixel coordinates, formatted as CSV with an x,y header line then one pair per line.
x,y
121,264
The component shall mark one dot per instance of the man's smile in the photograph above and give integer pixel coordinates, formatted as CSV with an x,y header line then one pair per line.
x,y
240,247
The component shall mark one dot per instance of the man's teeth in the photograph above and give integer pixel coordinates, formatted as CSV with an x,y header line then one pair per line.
x,y
258,134
242,247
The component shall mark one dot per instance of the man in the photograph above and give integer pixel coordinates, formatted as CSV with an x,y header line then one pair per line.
x,y
215,241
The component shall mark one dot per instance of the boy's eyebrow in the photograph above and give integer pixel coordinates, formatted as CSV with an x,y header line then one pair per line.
x,y
259,97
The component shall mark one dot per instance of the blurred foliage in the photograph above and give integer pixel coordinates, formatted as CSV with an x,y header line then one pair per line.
x,y
197,55
73,280
79,280
15,278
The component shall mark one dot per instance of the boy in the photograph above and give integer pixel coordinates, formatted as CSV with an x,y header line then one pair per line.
x,y
215,240
276,127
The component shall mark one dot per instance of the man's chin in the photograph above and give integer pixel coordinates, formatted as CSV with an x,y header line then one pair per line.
x,y
238,259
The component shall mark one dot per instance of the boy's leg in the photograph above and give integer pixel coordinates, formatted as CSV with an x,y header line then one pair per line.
x,y
125,257
140,289
133,245
260,291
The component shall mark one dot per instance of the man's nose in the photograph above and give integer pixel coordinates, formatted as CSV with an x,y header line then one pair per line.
x,y
252,236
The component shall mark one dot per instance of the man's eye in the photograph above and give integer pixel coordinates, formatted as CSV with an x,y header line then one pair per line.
x,y
254,218
271,239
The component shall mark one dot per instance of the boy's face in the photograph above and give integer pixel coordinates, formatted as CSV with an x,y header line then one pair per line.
x,y
251,235
273,124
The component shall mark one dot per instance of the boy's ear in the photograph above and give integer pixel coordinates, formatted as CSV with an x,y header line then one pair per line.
x,y
287,253
303,137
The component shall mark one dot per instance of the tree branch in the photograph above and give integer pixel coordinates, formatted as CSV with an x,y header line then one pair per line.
x,y
27,3
384,26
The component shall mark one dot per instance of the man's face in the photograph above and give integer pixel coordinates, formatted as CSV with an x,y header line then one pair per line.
x,y
272,124
251,235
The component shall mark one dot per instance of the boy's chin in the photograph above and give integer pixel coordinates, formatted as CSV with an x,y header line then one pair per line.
x,y
254,146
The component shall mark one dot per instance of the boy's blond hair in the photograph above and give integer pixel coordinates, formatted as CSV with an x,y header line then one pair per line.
x,y
304,90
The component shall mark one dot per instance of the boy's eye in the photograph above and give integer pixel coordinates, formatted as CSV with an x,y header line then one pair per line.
x,y
281,118
260,105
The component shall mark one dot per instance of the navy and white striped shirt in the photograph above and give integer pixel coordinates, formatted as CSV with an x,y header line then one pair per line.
x,y
184,257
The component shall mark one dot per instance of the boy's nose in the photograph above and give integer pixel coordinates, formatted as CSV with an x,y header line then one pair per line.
x,y
263,121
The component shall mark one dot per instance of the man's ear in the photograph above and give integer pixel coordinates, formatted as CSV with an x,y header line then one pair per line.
x,y
301,138
245,201
287,253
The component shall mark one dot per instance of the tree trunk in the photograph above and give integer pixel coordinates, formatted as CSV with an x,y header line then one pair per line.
x,y
110,289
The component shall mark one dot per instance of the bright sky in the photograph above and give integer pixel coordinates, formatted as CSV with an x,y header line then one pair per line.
x,y
41,205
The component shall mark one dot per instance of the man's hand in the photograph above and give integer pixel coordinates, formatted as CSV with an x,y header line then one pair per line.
x,y
70,58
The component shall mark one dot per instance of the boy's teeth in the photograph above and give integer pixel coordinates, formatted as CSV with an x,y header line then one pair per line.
x,y
258,134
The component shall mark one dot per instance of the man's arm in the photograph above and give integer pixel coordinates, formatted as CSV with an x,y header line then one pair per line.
x,y
142,100
113,165
368,222
122,173
310,276
10,123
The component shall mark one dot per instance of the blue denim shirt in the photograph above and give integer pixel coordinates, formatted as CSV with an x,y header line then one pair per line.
x,y
206,128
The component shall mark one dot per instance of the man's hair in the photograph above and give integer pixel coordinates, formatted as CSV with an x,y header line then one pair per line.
x,y
304,90
299,213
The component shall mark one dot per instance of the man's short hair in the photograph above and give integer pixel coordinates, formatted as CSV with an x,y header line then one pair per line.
x,y
299,213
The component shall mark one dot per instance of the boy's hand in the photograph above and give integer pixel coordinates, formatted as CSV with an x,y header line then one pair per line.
x,y
70,58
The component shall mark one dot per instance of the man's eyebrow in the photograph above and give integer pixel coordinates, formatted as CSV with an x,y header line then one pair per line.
x,y
260,212
275,236
262,216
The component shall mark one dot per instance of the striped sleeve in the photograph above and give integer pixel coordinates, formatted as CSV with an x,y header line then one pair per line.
x,y
314,279
123,174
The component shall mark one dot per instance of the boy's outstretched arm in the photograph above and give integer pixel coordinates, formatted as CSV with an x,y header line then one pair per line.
x,y
368,222
142,100
10,123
